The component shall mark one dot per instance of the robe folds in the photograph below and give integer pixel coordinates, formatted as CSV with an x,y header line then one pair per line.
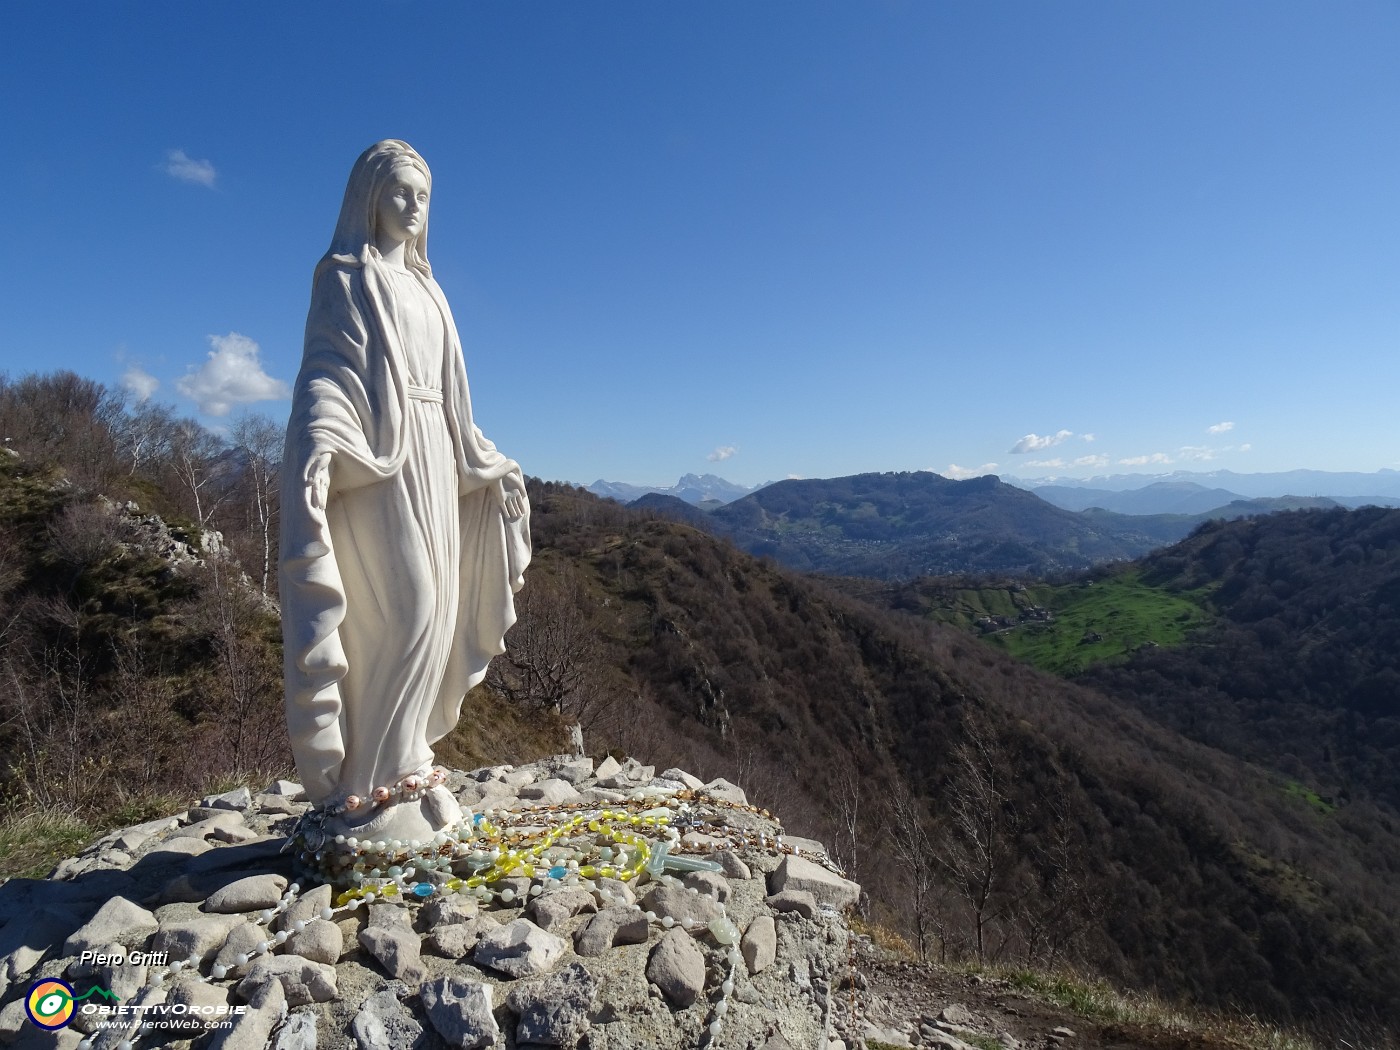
x,y
396,596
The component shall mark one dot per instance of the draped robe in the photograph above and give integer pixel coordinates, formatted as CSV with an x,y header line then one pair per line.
x,y
396,595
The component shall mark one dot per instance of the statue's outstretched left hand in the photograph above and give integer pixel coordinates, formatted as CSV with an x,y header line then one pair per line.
x,y
513,498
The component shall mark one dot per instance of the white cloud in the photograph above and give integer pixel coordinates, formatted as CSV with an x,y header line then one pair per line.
x,y
958,473
1141,461
140,383
231,376
1220,428
1198,452
1089,437
1091,461
722,453
1034,442
1245,447
180,165
1051,464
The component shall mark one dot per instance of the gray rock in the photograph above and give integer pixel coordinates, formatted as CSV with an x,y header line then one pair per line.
x,y
943,1040
693,783
677,967
799,873
320,941
550,792
122,979
27,938
734,868
252,1030
278,805
759,944
570,769
956,1014
613,891
799,901
389,937
119,921
384,1023
610,927
241,941
554,1012
888,1036
551,909
682,906
518,778
710,883
204,828
286,788
194,937
455,940
628,775
726,791
254,893
487,795
299,1033
520,949
175,851
461,1011
306,907
607,768
303,981
448,909
238,798
234,834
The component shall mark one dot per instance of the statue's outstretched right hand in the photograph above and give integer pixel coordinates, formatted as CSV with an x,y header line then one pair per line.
x,y
318,479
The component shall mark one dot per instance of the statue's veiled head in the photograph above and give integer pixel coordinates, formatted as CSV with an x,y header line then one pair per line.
x,y
372,175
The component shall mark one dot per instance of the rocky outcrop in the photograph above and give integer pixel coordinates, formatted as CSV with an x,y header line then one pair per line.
x,y
627,945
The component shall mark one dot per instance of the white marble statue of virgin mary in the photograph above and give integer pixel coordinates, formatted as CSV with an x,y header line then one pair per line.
x,y
405,533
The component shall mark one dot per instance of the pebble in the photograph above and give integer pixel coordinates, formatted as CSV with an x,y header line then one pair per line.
x,y
389,937
520,949
254,893
611,927
193,937
320,941
799,873
760,944
118,921
800,901
677,967
554,1011
302,980
384,1023
555,907
460,1011
252,1030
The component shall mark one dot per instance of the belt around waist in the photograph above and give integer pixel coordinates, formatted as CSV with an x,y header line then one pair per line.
x,y
423,393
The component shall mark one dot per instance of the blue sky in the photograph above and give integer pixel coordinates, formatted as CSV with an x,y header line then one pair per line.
x,y
762,239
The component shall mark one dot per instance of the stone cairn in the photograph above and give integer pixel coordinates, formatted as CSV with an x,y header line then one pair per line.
x,y
607,906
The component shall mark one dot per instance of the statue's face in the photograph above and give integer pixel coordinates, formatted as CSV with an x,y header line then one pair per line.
x,y
403,205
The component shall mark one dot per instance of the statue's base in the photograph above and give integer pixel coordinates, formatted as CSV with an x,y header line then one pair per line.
x,y
422,831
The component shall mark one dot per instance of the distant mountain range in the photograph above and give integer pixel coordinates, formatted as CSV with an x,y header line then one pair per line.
x,y
1184,491
694,489
901,525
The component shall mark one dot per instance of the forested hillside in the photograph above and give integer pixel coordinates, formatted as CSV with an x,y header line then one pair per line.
x,y
993,813
1300,668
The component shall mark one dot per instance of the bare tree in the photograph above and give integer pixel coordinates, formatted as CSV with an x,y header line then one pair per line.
x,y
145,435
552,656
192,454
260,441
978,847
245,701
912,847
